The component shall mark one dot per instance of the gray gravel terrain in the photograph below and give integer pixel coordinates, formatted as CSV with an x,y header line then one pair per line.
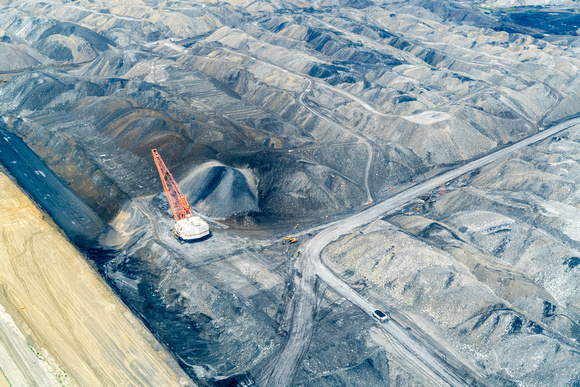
x,y
291,118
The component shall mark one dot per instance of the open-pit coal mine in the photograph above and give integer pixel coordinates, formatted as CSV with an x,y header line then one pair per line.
x,y
418,158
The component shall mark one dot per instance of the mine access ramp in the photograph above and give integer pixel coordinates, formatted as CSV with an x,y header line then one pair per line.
x,y
187,226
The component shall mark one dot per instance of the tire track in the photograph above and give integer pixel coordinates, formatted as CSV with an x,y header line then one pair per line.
x,y
281,371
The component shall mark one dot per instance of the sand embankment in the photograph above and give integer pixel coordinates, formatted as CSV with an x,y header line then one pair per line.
x,y
59,321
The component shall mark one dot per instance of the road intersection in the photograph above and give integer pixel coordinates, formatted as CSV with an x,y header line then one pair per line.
x,y
439,370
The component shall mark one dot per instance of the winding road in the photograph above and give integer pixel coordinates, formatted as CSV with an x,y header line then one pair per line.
x,y
359,137
307,90
438,369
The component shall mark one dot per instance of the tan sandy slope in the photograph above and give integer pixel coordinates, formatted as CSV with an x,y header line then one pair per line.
x,y
60,311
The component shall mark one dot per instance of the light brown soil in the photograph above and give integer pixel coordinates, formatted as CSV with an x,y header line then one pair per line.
x,y
68,315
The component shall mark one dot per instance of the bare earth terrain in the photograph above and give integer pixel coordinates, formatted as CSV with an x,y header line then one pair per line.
x,y
59,322
425,154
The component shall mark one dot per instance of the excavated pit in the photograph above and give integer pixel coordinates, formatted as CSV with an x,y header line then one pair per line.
x,y
276,118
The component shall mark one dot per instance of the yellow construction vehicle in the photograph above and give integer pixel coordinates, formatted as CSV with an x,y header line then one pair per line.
x,y
289,239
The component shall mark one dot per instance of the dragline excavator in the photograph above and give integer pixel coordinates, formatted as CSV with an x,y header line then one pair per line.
x,y
187,227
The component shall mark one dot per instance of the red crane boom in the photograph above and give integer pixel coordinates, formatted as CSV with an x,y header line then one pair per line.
x,y
176,199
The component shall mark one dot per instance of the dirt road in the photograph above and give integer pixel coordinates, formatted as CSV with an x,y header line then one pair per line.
x,y
435,369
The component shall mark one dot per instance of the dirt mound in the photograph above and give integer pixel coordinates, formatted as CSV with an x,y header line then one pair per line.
x,y
220,191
